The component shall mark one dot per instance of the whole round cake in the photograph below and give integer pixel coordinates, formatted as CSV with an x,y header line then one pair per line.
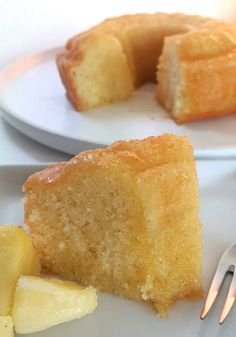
x,y
192,59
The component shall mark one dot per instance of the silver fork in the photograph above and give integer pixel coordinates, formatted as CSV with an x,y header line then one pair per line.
x,y
226,264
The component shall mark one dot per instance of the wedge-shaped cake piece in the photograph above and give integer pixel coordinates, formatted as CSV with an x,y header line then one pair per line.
x,y
17,257
123,219
41,303
6,326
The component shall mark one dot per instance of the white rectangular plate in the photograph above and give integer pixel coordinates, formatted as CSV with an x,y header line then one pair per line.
x,y
118,317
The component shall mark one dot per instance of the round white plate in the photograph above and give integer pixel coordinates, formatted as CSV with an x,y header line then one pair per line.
x,y
33,100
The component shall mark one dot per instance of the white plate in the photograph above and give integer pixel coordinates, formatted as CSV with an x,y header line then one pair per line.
x,y
118,317
34,102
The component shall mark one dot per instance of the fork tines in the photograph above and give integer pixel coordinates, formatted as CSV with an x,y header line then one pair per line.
x,y
226,264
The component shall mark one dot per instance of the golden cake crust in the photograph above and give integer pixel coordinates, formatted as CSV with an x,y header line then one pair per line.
x,y
169,148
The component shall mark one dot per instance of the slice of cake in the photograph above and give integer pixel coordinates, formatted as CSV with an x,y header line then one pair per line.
x,y
123,219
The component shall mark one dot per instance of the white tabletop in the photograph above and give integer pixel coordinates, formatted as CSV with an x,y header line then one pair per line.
x,y
28,26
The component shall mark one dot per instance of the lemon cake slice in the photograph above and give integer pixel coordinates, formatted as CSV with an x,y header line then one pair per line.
x,y
123,219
